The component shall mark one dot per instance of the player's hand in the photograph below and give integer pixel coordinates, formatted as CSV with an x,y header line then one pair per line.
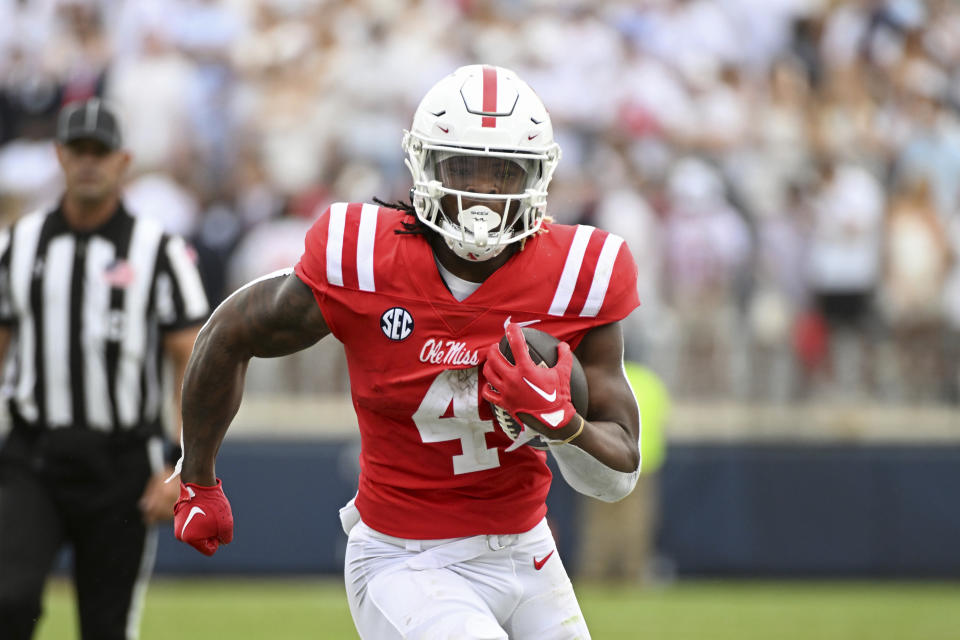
x,y
526,388
158,498
203,517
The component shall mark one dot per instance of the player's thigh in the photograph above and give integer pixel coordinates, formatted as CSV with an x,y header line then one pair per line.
x,y
388,600
31,533
432,604
548,609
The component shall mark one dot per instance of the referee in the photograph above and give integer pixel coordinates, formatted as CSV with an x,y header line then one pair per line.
x,y
91,300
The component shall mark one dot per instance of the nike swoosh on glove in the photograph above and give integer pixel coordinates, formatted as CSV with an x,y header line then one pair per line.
x,y
538,391
202,517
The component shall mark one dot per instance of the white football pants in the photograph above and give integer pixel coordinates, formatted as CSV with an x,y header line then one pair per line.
x,y
476,588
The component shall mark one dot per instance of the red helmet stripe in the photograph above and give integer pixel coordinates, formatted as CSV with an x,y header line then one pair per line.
x,y
489,96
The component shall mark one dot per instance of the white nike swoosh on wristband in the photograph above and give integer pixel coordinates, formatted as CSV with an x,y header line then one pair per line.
x,y
549,397
194,511
553,419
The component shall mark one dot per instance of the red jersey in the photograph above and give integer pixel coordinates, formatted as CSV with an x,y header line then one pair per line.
x,y
433,462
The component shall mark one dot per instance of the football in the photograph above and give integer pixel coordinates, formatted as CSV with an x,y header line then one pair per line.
x,y
542,348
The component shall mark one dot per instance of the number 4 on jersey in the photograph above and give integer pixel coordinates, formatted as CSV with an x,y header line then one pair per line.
x,y
460,387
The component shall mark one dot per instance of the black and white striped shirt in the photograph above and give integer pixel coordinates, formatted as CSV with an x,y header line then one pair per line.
x,y
87,311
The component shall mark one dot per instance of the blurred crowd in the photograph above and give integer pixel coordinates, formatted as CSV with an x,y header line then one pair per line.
x,y
786,172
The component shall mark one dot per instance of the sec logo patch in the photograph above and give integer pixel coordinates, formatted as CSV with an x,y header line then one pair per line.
x,y
396,323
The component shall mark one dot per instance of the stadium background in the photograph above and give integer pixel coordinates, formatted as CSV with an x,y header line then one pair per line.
x,y
787,173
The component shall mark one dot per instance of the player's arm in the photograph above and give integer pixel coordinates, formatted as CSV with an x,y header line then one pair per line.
x,y
604,460
178,345
611,431
272,317
598,453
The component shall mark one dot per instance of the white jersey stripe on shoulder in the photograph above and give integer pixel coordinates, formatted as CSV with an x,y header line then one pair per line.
x,y
601,275
367,234
571,270
338,219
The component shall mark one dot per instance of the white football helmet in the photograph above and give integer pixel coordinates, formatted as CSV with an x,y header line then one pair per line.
x,y
481,153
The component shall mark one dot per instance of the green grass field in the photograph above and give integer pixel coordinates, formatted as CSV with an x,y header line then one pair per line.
x,y
274,609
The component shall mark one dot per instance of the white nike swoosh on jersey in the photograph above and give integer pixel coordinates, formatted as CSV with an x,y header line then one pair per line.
x,y
519,324
553,419
194,511
549,397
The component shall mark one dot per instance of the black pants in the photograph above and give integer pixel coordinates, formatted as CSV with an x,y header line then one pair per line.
x,y
78,488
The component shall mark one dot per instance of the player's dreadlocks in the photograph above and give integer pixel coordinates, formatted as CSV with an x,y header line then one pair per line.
x,y
411,227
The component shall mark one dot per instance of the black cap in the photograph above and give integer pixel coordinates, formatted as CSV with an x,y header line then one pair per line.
x,y
88,120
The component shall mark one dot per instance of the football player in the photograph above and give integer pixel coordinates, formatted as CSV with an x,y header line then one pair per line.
x,y
447,536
